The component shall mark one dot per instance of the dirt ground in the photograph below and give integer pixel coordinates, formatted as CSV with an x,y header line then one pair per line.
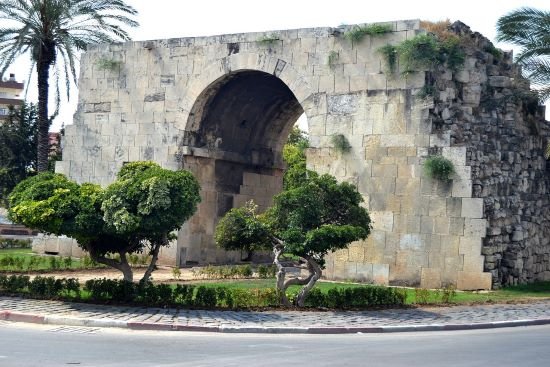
x,y
162,274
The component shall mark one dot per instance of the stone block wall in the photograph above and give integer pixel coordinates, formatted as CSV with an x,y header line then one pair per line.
x,y
179,102
488,109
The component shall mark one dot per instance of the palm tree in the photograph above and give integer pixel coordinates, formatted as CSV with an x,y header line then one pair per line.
x,y
529,28
52,29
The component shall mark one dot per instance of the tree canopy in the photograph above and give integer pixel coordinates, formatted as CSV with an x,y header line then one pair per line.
x,y
137,212
56,30
307,222
529,28
17,148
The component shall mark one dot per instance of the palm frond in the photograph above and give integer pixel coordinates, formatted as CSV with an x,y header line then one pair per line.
x,y
529,28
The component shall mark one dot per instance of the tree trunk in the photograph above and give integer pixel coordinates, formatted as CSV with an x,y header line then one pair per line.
x,y
43,149
283,285
281,273
152,264
121,265
315,275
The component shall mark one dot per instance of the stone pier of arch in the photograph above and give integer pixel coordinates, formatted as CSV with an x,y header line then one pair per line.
x,y
222,107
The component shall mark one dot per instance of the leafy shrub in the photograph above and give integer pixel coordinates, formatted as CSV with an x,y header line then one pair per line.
x,y
448,294
7,261
149,294
108,64
108,289
333,57
439,167
14,243
267,271
340,143
356,298
133,259
427,51
14,283
206,297
183,294
176,273
268,40
68,262
46,287
357,33
54,263
421,296
389,52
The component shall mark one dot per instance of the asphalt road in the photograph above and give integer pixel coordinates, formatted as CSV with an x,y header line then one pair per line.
x,y
44,346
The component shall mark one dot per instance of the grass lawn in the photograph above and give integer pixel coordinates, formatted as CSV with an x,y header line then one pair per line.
x,y
21,259
516,293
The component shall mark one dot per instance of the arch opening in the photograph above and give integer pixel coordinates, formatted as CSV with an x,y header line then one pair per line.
x,y
236,131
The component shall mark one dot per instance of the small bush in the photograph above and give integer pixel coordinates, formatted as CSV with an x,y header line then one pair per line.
x,y
340,143
357,33
268,40
206,297
356,298
133,259
421,296
448,294
14,243
389,52
176,273
14,283
426,91
267,271
333,57
183,294
426,51
108,64
439,167
54,263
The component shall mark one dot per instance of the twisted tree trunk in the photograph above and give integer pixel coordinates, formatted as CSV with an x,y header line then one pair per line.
x,y
155,253
121,265
315,275
282,285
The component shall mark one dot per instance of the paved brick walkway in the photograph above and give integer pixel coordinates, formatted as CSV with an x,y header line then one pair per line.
x,y
441,318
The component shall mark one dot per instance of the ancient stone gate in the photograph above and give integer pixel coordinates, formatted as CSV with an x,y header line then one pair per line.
x,y
223,106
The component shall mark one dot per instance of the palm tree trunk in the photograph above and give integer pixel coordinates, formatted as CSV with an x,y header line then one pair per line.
x,y
43,69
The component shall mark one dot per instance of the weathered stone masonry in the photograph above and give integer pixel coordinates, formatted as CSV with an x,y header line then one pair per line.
x,y
487,108
222,107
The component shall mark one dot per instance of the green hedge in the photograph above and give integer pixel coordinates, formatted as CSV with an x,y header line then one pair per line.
x,y
163,295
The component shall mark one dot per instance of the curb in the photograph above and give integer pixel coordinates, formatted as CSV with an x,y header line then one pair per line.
x,y
68,321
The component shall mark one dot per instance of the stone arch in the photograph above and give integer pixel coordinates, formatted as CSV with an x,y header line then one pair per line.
x,y
241,110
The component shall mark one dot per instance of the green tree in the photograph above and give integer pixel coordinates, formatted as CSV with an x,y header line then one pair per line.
x,y
136,213
17,148
306,222
294,155
50,30
529,28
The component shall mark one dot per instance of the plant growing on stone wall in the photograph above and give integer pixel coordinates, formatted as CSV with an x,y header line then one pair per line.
x,y
268,40
389,52
357,33
333,57
135,214
340,143
426,51
307,222
108,64
439,167
426,91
